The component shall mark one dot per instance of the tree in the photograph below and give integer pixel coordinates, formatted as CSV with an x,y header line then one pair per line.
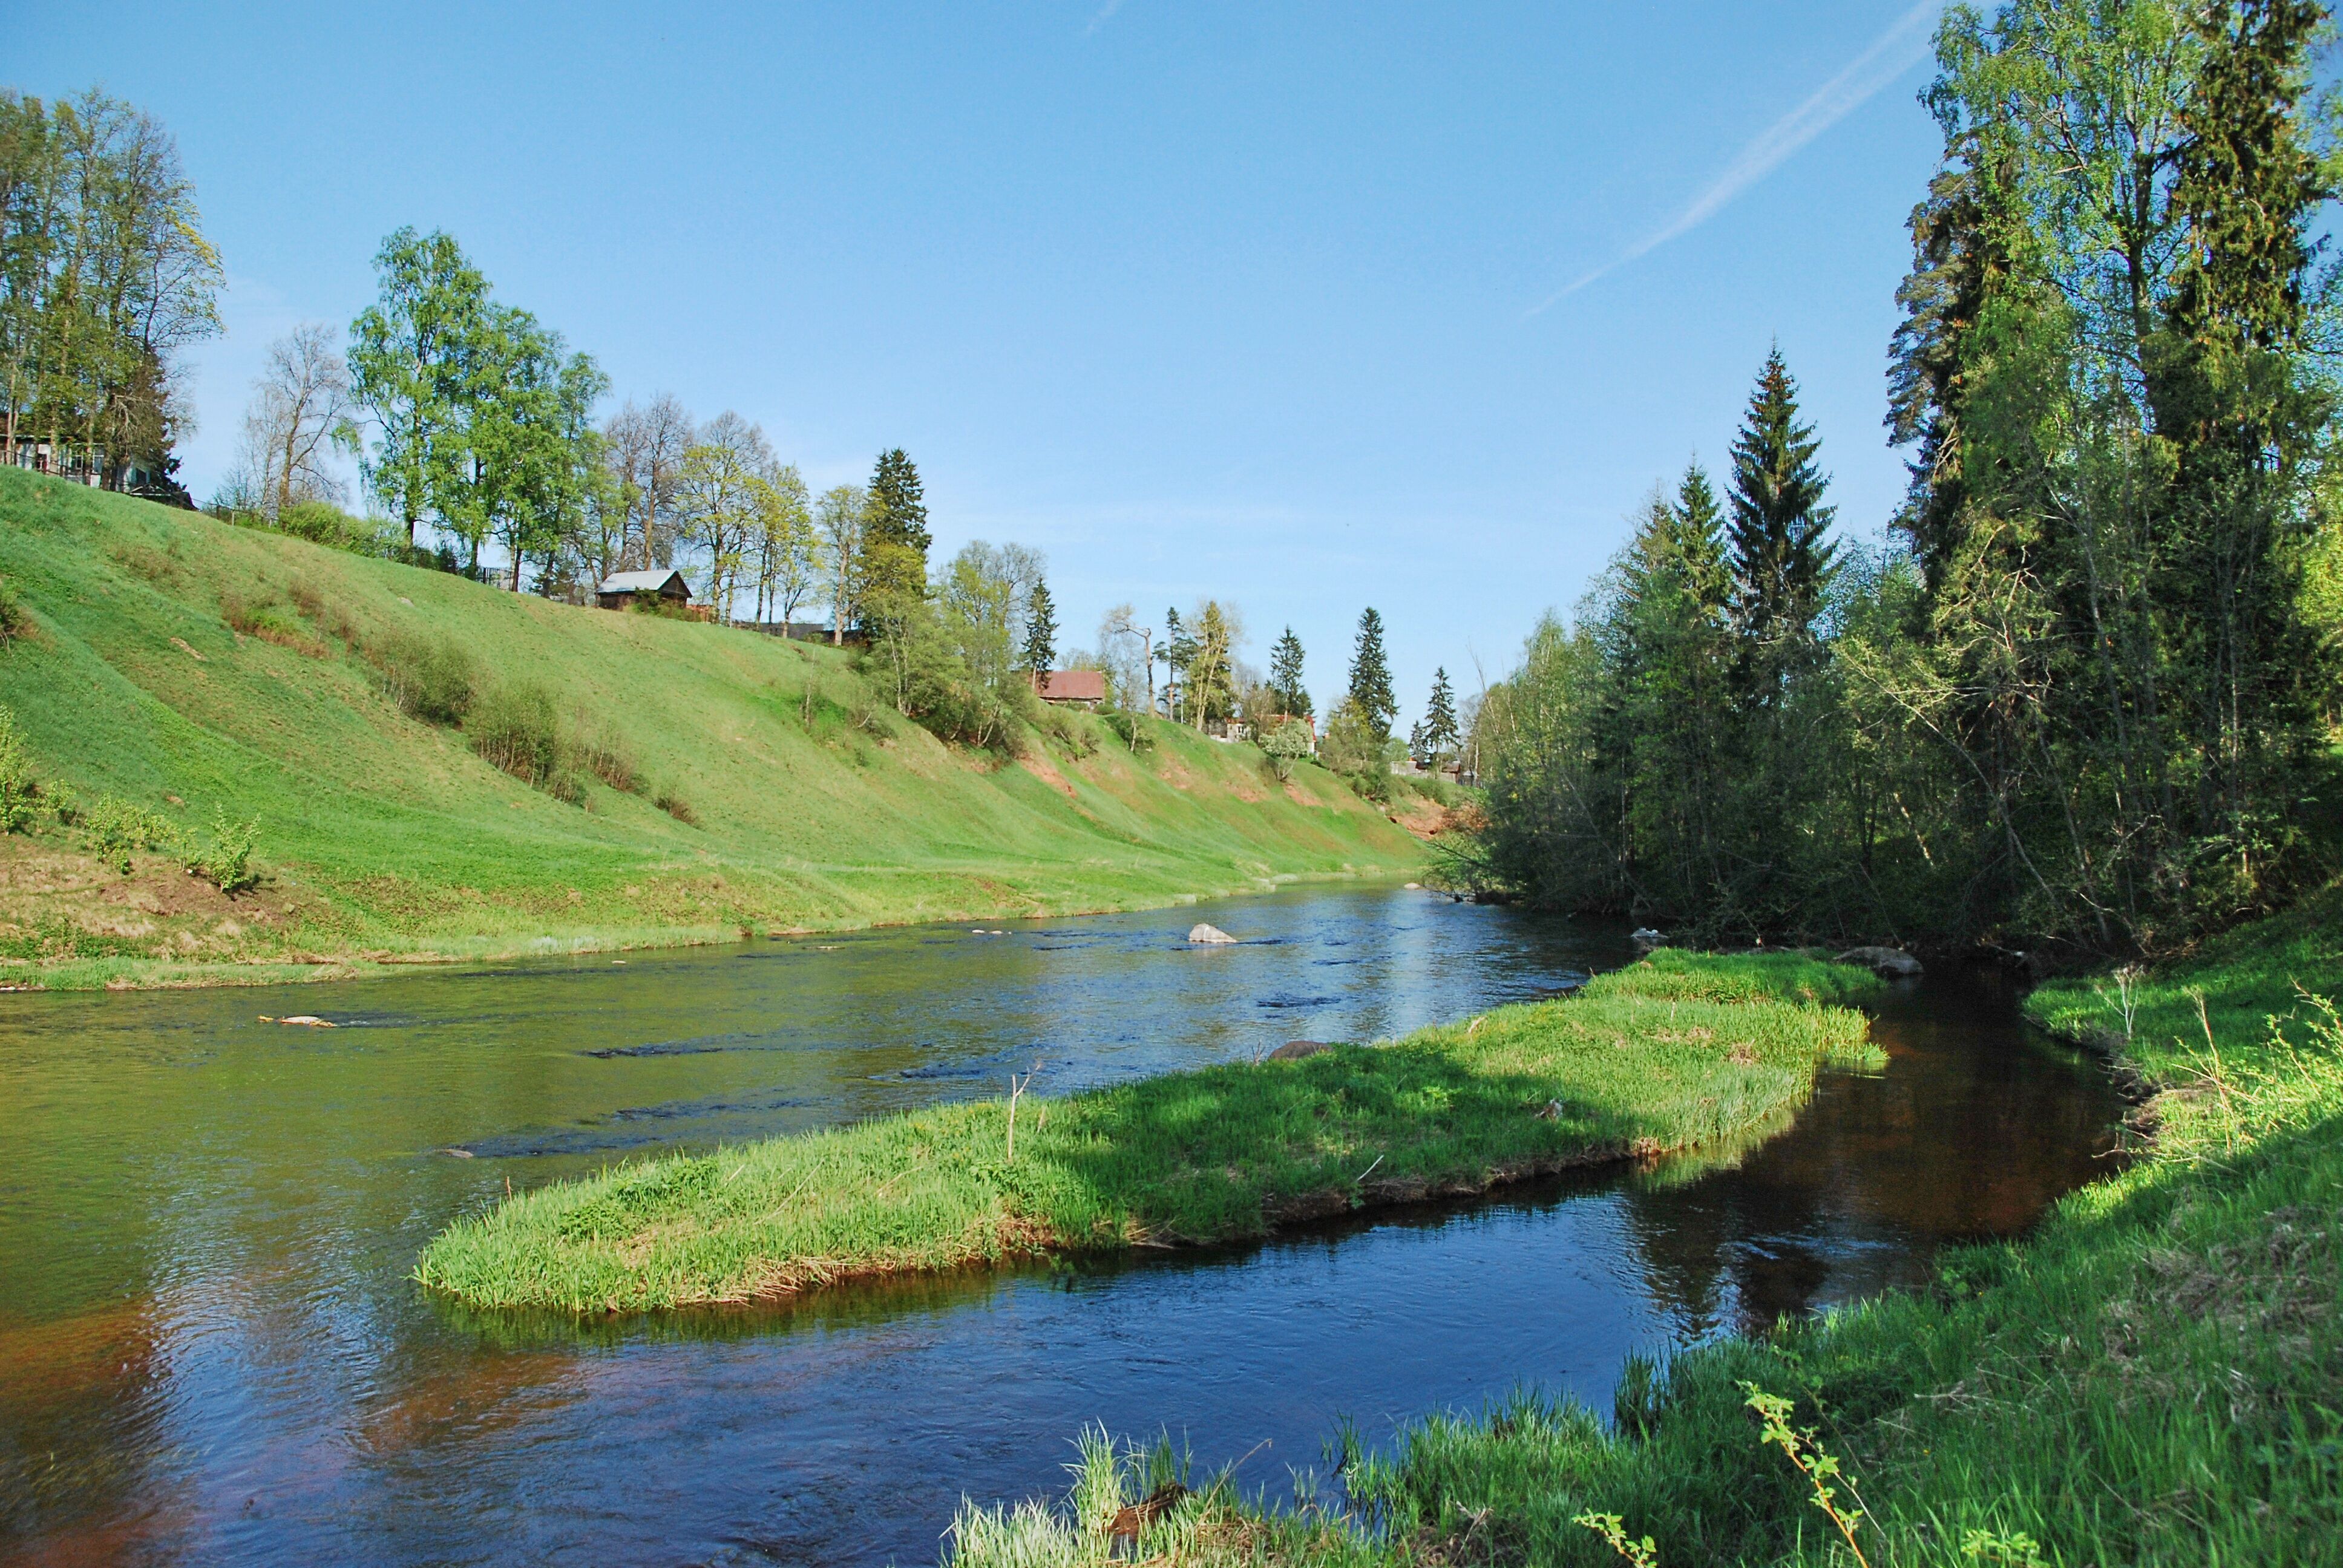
x,y
839,518
104,276
724,496
1781,564
646,446
412,368
1285,676
1370,690
1211,692
300,406
536,460
1040,642
783,543
895,538
1127,651
1436,737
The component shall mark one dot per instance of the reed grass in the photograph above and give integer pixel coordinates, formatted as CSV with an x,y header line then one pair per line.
x,y
1678,1051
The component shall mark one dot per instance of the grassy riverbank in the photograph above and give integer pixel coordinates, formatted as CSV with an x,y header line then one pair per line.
x,y
1674,1052
709,781
2155,1377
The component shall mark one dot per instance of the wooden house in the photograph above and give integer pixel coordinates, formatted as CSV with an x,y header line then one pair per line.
x,y
619,589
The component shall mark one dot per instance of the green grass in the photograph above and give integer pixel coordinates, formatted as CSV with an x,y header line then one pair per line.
x,y
190,668
1674,1052
2155,1376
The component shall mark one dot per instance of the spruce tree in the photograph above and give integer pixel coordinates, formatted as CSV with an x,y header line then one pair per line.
x,y
1179,650
1781,563
1040,650
898,507
1285,676
1371,681
1436,736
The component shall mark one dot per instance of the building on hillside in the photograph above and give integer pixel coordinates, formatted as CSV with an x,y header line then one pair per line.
x,y
1073,687
620,589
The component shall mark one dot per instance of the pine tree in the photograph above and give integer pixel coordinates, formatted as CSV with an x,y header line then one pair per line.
x,y
1781,563
1285,676
898,507
1178,650
1041,651
1436,736
1371,681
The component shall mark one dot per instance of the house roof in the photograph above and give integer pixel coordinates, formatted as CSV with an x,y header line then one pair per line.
x,y
1074,685
653,581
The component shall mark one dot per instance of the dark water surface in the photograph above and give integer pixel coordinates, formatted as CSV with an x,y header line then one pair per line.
x,y
210,1352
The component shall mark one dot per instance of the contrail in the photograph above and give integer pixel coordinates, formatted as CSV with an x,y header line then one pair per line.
x,y
1105,11
1895,51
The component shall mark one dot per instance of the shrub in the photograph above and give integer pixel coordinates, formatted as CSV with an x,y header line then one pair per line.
x,y
676,806
117,829
606,758
17,789
515,727
1131,728
1284,746
430,682
227,861
15,620
268,620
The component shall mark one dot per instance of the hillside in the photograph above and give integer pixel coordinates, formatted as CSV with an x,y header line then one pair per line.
x,y
799,801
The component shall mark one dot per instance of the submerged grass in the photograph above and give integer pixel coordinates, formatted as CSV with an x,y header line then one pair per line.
x,y
1676,1051
2155,1377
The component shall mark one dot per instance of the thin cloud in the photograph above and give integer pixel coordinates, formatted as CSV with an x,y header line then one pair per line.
x,y
1105,13
1895,51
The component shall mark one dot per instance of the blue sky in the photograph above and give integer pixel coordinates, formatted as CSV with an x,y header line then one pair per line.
x,y
1308,307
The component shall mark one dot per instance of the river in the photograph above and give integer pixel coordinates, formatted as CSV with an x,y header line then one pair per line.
x,y
210,1350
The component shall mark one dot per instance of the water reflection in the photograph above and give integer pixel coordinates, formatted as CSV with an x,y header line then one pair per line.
x,y
209,1350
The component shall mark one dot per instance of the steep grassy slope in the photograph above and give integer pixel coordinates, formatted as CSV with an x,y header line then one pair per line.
x,y
384,837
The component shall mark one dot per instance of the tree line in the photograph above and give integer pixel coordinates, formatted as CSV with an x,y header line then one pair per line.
x,y
2084,693
104,276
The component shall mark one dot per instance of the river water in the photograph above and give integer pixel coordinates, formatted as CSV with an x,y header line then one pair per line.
x,y
210,1350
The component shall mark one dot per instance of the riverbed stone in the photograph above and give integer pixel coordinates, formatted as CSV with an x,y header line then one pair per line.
x,y
1887,963
1209,936
1298,1049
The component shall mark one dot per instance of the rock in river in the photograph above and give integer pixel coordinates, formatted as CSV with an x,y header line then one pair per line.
x,y
1210,936
1296,1050
1887,963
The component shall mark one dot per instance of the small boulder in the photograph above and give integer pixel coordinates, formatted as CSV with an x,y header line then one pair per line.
x,y
1646,938
1887,963
1298,1049
1209,936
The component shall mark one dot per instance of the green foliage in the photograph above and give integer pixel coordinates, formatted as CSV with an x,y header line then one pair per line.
x,y
1197,1157
225,862
1781,563
116,828
1369,690
1434,739
18,791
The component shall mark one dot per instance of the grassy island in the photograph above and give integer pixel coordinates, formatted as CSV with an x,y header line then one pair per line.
x,y
1676,1051
2153,1377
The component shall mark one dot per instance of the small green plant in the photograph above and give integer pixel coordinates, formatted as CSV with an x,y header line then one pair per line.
x,y
669,802
118,829
1131,728
17,789
227,861
606,757
1642,1554
1819,1468
2015,1550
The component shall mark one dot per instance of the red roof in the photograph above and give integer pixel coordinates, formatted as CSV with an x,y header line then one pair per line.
x,y
1073,686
